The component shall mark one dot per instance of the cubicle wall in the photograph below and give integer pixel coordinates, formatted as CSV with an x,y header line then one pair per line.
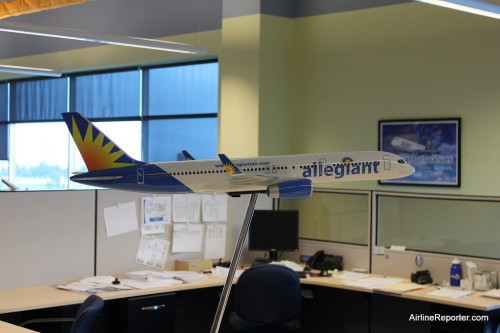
x,y
337,222
50,237
117,254
46,237
436,228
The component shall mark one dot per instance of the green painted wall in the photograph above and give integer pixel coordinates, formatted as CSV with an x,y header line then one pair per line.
x,y
399,62
322,83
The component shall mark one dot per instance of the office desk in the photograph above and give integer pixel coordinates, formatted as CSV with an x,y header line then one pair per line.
x,y
17,305
44,296
357,309
474,301
335,305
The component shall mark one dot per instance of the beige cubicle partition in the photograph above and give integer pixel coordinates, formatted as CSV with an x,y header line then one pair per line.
x,y
51,237
46,237
117,254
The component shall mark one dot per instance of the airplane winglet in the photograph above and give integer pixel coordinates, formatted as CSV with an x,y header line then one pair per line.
x,y
230,167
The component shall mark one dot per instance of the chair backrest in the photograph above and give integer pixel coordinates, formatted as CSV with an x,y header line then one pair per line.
x,y
268,294
87,314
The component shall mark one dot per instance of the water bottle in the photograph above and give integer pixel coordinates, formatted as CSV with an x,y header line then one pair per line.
x,y
455,273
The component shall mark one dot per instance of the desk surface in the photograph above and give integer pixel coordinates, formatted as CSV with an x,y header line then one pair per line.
x,y
38,297
474,301
9,328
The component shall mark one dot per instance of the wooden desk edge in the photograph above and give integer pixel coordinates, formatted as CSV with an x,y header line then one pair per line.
x,y
44,296
474,301
9,328
38,297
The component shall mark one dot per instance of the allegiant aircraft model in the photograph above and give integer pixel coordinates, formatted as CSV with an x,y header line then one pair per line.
x,y
287,177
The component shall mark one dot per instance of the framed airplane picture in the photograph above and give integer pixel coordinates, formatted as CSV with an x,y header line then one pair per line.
x,y
431,146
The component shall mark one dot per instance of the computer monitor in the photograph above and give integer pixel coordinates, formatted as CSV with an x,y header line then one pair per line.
x,y
274,231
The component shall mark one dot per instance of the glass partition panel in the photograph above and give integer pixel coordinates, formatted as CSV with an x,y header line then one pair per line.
x,y
467,226
335,216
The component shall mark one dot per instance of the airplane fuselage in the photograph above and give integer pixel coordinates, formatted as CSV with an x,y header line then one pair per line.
x,y
211,175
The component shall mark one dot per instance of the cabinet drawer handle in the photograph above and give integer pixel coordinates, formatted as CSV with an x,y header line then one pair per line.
x,y
153,307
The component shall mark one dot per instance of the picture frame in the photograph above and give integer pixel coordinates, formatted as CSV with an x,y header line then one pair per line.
x,y
431,146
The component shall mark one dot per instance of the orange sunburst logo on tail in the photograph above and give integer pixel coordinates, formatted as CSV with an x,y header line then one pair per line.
x,y
99,152
229,169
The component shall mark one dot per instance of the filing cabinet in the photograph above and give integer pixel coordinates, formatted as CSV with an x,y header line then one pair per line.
x,y
151,314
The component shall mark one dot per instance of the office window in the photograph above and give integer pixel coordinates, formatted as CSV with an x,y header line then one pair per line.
x,y
4,128
38,100
4,132
182,90
167,138
41,155
180,111
151,113
106,95
38,150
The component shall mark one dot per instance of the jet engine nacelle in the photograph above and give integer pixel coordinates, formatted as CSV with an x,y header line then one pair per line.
x,y
291,189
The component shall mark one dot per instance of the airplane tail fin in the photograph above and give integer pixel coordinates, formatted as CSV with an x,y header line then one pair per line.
x,y
97,150
188,156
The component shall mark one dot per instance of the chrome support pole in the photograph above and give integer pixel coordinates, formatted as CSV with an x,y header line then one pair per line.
x,y
234,264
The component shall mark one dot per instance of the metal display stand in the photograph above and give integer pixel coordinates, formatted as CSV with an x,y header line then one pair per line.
x,y
233,265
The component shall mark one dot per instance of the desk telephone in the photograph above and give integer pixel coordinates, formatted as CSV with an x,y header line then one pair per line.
x,y
324,262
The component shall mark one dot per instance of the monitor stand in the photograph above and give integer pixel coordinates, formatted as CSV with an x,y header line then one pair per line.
x,y
273,255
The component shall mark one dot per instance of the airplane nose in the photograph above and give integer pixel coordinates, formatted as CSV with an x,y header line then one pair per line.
x,y
410,169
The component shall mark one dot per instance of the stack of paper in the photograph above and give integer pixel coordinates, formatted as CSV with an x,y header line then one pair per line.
x,y
449,293
399,288
149,279
150,276
350,276
187,276
493,293
223,272
94,285
373,282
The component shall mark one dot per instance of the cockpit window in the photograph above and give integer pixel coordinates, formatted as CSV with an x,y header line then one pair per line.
x,y
401,161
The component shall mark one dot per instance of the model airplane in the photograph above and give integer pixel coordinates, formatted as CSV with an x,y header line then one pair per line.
x,y
288,177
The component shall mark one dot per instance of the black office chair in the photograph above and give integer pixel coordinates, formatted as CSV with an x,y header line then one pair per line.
x,y
85,318
267,299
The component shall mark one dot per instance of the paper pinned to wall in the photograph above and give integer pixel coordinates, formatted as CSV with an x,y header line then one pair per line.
x,y
215,241
152,252
187,238
214,207
120,219
186,207
156,212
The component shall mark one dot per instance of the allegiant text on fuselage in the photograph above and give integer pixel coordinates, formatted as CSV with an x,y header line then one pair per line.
x,y
340,170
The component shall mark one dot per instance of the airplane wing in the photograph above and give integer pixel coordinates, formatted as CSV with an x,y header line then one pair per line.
x,y
240,178
276,187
